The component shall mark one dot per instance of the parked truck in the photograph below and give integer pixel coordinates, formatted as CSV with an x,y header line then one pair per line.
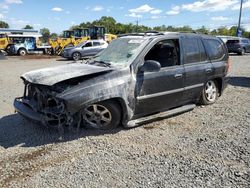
x,y
26,44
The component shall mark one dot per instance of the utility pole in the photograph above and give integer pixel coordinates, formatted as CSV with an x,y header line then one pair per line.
x,y
239,31
137,23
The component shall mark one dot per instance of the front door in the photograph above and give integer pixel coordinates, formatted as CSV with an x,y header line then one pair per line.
x,y
159,91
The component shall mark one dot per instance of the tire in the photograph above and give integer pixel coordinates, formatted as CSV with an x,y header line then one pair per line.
x,y
22,52
104,115
243,51
76,56
210,93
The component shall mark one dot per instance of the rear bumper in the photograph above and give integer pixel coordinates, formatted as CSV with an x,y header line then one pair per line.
x,y
225,82
26,111
234,50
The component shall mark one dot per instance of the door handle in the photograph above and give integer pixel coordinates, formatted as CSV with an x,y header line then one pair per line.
x,y
208,71
178,75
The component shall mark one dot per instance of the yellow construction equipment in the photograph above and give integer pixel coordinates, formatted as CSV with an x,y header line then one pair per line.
x,y
4,42
110,37
78,35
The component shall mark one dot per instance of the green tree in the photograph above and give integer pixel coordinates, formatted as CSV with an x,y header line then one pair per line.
x,y
53,35
45,34
4,24
28,27
202,30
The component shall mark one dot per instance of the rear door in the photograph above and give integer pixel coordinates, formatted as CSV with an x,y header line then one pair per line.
x,y
197,67
218,56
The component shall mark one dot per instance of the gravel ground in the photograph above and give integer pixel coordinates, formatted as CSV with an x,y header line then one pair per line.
x,y
207,147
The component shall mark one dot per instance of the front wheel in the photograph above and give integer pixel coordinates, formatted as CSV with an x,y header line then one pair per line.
x,y
210,93
104,115
22,52
76,56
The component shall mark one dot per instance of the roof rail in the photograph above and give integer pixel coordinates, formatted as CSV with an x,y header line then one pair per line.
x,y
146,33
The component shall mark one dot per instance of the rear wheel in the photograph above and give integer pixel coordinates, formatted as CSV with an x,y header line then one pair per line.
x,y
243,51
103,115
210,93
22,52
76,56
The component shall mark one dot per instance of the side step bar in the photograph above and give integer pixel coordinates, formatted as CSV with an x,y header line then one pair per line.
x,y
175,111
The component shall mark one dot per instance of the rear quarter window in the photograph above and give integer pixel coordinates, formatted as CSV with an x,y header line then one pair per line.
x,y
214,48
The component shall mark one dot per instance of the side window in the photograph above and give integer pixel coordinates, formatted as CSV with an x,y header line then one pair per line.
x,y
166,52
96,43
89,44
194,50
214,49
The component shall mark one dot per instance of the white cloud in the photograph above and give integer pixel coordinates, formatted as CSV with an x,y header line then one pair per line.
x,y
156,11
174,11
205,5
245,5
57,9
1,16
17,23
38,25
142,9
209,5
247,27
219,18
97,8
155,17
5,4
134,15
13,1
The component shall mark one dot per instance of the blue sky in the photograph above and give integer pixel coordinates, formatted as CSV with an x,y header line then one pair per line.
x,y
58,15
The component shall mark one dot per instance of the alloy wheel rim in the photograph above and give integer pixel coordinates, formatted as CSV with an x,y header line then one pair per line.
x,y
210,91
76,56
22,52
97,116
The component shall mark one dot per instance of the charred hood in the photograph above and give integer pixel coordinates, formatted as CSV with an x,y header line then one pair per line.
x,y
51,76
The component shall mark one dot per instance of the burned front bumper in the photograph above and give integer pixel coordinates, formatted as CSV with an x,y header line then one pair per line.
x,y
25,110
53,117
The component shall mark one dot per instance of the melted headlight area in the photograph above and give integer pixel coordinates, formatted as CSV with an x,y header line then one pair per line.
x,y
42,100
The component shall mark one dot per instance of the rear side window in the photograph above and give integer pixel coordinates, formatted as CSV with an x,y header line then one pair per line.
x,y
96,43
214,49
233,41
194,50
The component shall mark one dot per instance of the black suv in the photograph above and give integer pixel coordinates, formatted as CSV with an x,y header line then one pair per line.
x,y
139,77
238,45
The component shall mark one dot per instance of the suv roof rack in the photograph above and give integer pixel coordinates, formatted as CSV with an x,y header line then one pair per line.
x,y
146,33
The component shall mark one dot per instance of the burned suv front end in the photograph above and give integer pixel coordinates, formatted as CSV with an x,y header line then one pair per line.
x,y
39,103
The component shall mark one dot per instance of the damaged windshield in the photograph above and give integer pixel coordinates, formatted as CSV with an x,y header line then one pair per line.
x,y
121,51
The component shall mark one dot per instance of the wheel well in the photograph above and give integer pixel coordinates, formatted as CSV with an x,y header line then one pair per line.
x,y
22,49
219,84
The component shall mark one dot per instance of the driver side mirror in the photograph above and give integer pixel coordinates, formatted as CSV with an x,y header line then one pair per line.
x,y
150,66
